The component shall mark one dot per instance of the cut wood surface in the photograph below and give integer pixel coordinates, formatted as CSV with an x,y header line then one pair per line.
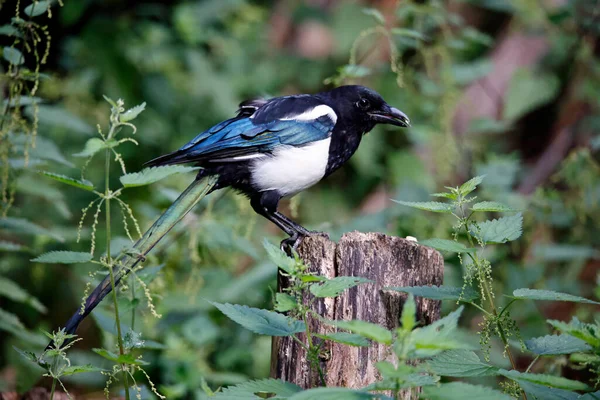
x,y
386,260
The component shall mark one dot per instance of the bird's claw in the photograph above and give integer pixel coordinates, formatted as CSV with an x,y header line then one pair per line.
x,y
289,245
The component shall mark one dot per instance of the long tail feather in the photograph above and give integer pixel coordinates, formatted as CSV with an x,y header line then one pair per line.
x,y
184,203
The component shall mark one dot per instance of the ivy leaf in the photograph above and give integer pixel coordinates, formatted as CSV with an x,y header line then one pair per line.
x,y
21,225
366,329
38,7
335,286
460,363
278,257
82,184
546,380
132,113
250,389
491,206
461,391
375,13
78,369
556,344
263,322
447,245
153,174
11,290
439,292
350,339
434,206
92,146
13,56
500,230
537,294
63,257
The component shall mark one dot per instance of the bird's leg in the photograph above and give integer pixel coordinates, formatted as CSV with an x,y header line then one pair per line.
x,y
302,230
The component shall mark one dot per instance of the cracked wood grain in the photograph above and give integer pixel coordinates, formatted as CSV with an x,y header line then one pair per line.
x,y
386,260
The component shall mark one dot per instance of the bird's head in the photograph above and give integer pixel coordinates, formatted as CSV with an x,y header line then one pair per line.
x,y
363,107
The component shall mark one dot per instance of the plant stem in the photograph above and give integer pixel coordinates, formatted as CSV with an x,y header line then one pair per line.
x,y
53,387
110,268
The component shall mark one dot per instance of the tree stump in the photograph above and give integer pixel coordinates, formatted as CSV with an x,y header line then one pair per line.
x,y
386,260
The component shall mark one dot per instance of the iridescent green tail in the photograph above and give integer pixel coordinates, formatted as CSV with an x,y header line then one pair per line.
x,y
184,204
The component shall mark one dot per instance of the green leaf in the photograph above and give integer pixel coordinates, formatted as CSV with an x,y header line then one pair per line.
x,y
20,225
409,313
564,252
9,30
284,302
462,391
11,290
460,363
439,292
13,56
335,286
366,329
537,294
153,174
491,206
94,145
63,257
556,344
470,185
78,369
333,393
82,184
439,336
278,257
546,380
132,113
527,91
590,333
120,359
375,13
38,7
447,245
250,389
11,246
500,230
434,206
263,322
351,339
409,33
541,392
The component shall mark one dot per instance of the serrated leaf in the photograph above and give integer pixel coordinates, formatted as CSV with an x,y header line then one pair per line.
x,y
445,195
278,257
500,230
63,257
28,355
527,91
375,13
119,358
11,246
38,7
590,333
434,206
21,225
462,391
333,393
153,174
13,55
491,206
11,290
460,363
408,33
132,113
81,184
439,336
439,292
284,302
366,329
546,380
447,245
408,381
335,286
78,369
470,185
538,294
92,146
541,392
250,389
409,313
556,344
350,339
263,322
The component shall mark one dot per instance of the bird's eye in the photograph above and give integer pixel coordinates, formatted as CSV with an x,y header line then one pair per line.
x,y
364,104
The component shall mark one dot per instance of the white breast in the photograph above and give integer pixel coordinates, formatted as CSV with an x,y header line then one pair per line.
x,y
290,169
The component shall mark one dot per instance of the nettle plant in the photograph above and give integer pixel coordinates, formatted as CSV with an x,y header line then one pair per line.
x,y
127,358
441,348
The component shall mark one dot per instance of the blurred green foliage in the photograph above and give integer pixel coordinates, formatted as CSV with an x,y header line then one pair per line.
x,y
192,62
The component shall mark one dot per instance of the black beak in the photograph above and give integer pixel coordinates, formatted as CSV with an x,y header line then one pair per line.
x,y
390,115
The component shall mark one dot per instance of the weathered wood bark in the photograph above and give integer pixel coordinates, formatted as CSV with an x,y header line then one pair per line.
x,y
388,261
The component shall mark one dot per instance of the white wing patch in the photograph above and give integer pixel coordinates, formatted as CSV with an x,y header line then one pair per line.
x,y
291,169
313,114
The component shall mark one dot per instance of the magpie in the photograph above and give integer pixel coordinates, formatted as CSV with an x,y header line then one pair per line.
x,y
276,148
273,148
